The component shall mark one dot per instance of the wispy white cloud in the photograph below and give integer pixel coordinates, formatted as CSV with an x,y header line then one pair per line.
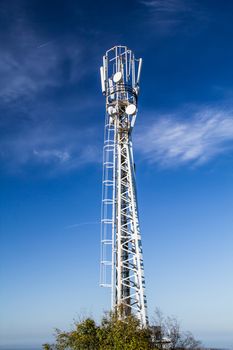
x,y
29,69
32,60
167,15
173,140
25,77
54,147
167,5
49,154
37,125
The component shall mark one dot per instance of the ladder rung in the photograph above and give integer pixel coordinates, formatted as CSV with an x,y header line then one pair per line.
x,y
106,221
106,262
107,201
106,285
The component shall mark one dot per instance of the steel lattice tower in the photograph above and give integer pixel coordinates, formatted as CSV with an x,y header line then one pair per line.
x,y
121,250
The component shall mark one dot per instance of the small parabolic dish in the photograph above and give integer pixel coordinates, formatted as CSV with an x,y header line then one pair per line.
x,y
117,77
111,110
131,109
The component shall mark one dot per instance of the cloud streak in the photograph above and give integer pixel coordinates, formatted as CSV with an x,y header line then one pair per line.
x,y
166,5
83,224
55,148
167,15
172,141
33,60
30,69
41,113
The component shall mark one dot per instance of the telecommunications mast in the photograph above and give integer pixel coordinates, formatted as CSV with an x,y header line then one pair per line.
x,y
121,250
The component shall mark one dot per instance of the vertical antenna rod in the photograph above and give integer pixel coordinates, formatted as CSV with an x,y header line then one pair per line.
x,y
121,250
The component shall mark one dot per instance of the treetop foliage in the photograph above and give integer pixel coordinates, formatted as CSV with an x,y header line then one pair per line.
x,y
115,333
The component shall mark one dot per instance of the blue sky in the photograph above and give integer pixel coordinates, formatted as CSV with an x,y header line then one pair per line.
x,y
51,125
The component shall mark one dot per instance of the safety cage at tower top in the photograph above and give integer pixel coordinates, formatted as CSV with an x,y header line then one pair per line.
x,y
120,77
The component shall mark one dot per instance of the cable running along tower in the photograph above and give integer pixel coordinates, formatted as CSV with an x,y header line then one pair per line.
x,y
121,250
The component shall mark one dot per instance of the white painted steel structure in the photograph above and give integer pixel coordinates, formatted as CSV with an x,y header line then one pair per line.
x,y
121,250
